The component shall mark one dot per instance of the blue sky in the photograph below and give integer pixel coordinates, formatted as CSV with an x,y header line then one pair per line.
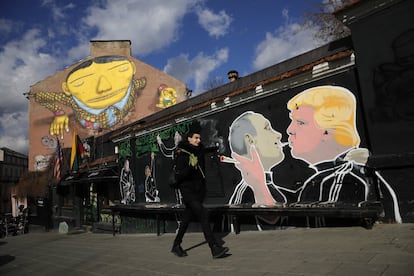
x,y
196,41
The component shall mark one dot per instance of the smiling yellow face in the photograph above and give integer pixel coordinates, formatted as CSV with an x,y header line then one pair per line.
x,y
100,84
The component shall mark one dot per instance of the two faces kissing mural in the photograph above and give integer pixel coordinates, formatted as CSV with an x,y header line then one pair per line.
x,y
322,133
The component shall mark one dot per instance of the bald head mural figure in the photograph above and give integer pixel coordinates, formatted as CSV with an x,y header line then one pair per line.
x,y
257,148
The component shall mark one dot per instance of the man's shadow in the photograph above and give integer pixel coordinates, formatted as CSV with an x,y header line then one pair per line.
x,y
5,259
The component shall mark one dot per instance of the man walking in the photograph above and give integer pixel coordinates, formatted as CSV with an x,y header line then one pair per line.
x,y
190,174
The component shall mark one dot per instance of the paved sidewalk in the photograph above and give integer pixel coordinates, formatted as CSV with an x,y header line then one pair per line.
x,y
387,249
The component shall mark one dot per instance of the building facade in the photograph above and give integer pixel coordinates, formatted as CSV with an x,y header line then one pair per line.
x,y
120,90
331,128
318,130
12,167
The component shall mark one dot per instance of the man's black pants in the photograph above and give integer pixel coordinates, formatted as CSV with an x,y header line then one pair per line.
x,y
197,210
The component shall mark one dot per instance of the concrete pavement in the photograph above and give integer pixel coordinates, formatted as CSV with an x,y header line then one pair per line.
x,y
387,249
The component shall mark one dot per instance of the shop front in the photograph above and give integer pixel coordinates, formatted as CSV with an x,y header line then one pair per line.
x,y
84,199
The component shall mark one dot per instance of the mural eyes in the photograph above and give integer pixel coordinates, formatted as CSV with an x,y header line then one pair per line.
x,y
300,123
123,68
78,83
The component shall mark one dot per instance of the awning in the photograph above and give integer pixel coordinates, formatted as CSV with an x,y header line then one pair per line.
x,y
95,176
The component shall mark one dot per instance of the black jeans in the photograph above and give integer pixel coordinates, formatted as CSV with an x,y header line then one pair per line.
x,y
197,210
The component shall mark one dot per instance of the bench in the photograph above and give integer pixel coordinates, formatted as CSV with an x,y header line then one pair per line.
x,y
367,215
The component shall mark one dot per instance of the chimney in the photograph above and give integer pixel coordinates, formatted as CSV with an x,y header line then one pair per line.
x,y
110,48
233,75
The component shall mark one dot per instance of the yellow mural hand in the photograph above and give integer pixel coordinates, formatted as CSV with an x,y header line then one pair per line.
x,y
59,125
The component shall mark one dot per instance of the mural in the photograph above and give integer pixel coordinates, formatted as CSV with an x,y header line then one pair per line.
x,y
100,91
168,151
319,140
127,185
151,192
41,162
154,142
256,148
163,143
392,82
49,142
124,149
322,133
167,96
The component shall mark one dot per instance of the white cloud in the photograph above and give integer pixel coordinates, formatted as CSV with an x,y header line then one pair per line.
x,y
150,25
77,53
215,24
286,42
58,12
22,64
196,70
15,137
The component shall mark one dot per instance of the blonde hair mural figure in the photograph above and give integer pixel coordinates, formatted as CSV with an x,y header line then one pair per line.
x,y
323,133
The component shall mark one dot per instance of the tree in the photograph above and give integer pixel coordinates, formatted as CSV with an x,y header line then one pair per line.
x,y
214,83
330,28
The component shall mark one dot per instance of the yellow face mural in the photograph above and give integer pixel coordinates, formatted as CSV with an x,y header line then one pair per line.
x,y
100,84
100,91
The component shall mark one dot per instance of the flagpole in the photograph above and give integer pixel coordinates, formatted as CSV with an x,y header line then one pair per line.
x,y
58,160
73,149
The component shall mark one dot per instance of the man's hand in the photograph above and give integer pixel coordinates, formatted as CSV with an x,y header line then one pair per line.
x,y
59,125
251,169
253,174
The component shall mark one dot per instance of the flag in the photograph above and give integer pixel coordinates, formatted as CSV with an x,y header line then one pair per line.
x,y
58,161
77,151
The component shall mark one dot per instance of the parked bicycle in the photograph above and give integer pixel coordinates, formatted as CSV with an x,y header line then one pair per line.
x,y
10,225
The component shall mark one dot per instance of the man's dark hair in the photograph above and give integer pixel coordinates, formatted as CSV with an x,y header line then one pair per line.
x,y
195,128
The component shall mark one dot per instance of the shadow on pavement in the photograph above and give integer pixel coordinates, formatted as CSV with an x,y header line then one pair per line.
x,y
5,259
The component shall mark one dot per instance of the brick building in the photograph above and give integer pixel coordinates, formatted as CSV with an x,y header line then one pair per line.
x,y
367,80
120,90
12,166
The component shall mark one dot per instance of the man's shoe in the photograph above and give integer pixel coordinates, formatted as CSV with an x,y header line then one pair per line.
x,y
218,251
179,251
